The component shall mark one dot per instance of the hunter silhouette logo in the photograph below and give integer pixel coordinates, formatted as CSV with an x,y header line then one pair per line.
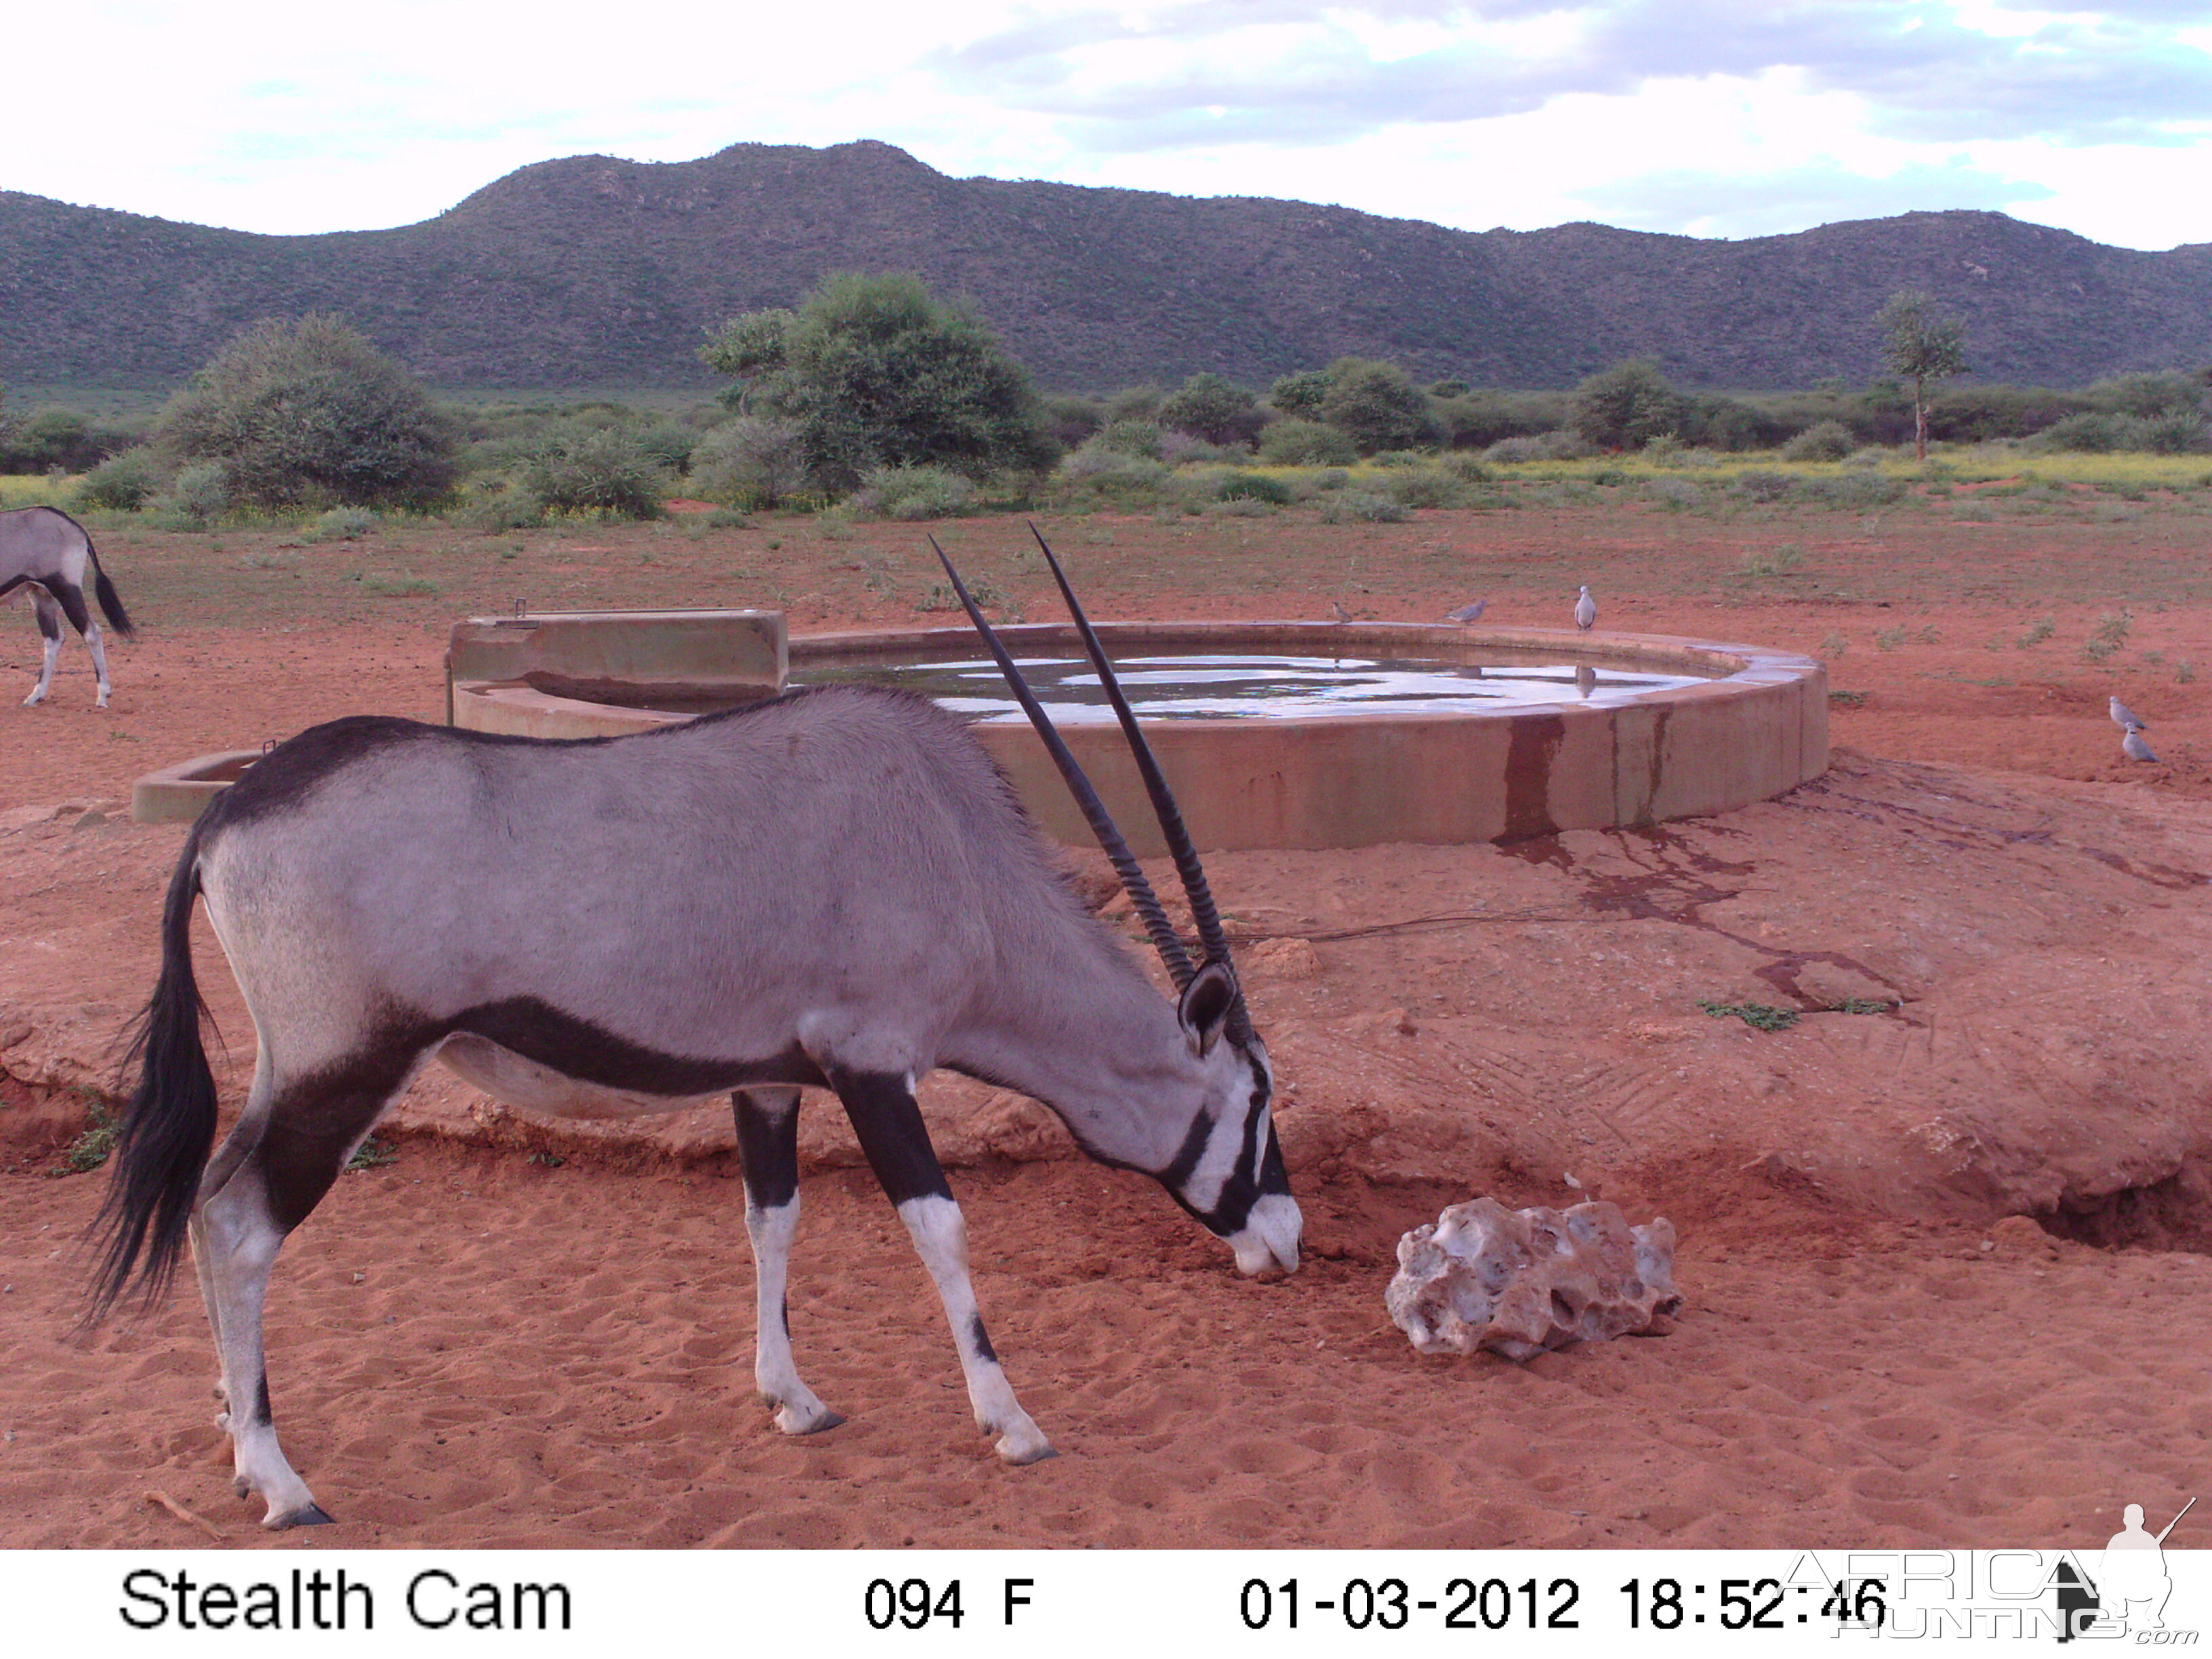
x,y
2130,1585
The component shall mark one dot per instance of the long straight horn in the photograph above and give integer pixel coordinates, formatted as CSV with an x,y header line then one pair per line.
x,y
1210,933
1078,785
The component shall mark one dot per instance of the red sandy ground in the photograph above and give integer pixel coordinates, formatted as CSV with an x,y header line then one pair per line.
x,y
473,1349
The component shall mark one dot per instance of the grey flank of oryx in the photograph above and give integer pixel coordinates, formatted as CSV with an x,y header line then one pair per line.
x,y
834,889
46,550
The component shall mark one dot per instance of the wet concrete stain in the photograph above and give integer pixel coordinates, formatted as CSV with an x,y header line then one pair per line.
x,y
1536,744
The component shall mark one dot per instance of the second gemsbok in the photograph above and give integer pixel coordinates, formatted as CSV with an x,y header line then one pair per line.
x,y
834,890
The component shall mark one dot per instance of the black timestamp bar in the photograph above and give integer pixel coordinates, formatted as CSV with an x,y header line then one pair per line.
x,y
1755,1604
1464,1603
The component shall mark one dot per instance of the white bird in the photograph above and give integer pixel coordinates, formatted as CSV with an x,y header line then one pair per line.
x,y
1467,613
1586,612
2133,746
2126,718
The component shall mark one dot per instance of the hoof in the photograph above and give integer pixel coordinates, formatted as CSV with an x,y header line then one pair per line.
x,y
793,1424
311,1515
1020,1457
242,1485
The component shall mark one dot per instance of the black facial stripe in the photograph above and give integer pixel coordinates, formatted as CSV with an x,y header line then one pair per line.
x,y
1186,1158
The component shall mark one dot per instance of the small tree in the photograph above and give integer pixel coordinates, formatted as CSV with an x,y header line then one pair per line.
x,y
303,412
1206,406
1377,406
875,372
1626,406
1921,347
1301,393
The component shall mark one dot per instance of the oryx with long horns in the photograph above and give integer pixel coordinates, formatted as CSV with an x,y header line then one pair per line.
x,y
834,889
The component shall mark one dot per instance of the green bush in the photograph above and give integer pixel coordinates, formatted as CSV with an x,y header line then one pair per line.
x,y
1565,445
1361,507
1253,487
305,412
876,372
123,483
1141,438
1096,478
1070,418
343,524
1627,405
1300,394
1207,406
752,461
56,440
909,493
1377,406
1296,442
1829,441
603,472
1425,486
1854,491
2091,433
492,503
1476,420
1765,487
669,445
196,497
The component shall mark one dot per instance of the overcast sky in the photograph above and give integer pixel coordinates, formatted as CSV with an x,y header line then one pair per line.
x,y
1705,117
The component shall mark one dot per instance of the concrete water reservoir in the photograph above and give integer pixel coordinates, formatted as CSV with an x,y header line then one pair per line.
x,y
1356,736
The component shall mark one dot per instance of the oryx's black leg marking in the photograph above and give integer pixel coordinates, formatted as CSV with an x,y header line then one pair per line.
x,y
71,597
768,1148
291,1142
891,1134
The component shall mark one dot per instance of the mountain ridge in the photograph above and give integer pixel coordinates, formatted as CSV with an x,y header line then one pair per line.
x,y
591,270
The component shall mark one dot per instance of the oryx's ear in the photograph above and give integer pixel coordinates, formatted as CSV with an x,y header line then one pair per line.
x,y
1205,1004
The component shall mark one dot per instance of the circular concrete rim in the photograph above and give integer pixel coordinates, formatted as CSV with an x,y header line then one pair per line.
x,y
1758,727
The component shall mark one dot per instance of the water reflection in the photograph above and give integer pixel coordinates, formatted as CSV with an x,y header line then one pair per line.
x,y
1245,687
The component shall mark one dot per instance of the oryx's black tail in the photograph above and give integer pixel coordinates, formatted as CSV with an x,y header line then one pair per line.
x,y
168,1127
111,602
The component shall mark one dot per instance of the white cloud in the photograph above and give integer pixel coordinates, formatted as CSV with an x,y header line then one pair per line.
x,y
1713,116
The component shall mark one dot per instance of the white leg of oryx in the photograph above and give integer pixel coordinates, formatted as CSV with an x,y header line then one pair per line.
x,y
238,1239
889,1124
99,660
768,1147
290,1143
50,636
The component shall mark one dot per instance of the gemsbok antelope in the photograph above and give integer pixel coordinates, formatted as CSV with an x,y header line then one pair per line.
x,y
834,889
46,549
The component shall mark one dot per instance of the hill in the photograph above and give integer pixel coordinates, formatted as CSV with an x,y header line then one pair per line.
x,y
591,271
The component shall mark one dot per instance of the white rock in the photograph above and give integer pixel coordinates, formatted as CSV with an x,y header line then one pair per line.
x,y
1520,1281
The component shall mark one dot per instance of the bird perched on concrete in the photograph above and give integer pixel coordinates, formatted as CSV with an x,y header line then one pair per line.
x,y
2126,718
1586,612
1467,613
1341,613
2133,746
